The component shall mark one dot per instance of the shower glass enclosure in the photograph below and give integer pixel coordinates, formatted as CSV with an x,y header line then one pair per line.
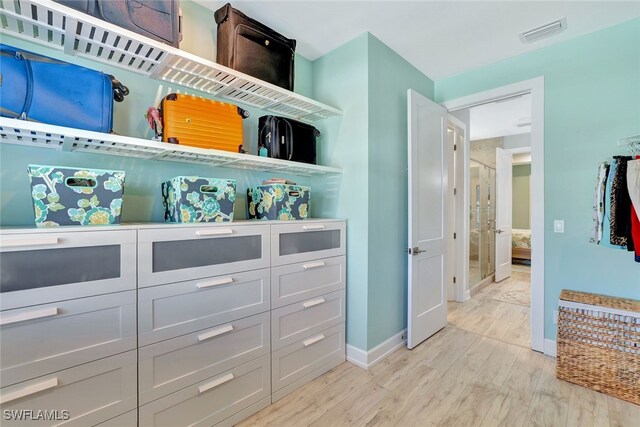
x,y
482,211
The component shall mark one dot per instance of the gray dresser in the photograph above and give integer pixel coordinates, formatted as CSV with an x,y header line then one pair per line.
x,y
168,325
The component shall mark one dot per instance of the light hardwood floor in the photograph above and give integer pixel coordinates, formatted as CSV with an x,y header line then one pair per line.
x,y
477,371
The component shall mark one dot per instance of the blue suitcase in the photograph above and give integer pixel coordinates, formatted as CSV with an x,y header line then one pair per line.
x,y
42,89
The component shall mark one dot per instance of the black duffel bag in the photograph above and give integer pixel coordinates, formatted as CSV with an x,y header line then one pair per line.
x,y
250,47
287,139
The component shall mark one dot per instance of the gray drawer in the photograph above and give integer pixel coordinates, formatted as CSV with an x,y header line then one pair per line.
x,y
91,393
212,400
170,310
305,280
178,254
38,268
171,365
46,338
296,321
302,357
130,419
306,240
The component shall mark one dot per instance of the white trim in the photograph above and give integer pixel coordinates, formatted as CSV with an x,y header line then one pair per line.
x,y
550,347
536,88
366,359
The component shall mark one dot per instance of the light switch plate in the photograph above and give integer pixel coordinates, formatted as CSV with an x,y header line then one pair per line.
x,y
558,226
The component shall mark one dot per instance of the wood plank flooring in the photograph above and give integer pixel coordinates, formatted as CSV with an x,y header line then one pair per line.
x,y
477,371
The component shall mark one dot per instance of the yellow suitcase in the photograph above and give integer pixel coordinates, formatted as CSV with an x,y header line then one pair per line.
x,y
200,122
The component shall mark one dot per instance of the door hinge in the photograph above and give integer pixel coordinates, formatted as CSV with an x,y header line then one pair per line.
x,y
455,147
454,235
455,191
454,279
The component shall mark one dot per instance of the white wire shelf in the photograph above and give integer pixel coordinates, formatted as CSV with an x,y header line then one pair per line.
x,y
76,33
23,133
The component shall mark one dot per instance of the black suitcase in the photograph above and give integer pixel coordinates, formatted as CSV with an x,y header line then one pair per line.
x,y
250,47
157,19
288,139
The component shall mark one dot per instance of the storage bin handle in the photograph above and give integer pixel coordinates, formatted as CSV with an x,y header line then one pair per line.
x,y
208,189
215,282
294,193
314,227
313,340
80,182
29,390
31,241
314,302
29,315
214,232
215,333
216,383
314,265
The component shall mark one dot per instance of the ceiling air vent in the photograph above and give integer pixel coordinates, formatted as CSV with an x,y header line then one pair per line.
x,y
544,31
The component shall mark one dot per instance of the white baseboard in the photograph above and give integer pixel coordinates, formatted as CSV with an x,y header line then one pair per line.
x,y
366,359
550,347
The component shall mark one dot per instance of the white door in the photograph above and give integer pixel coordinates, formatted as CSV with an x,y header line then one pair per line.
x,y
429,214
504,195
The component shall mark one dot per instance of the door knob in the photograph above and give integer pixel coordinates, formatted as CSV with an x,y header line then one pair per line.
x,y
416,250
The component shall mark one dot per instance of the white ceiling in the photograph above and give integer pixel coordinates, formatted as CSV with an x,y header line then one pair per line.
x,y
440,38
501,118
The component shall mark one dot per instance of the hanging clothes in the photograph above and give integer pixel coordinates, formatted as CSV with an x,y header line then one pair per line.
x,y
620,204
606,223
599,203
633,185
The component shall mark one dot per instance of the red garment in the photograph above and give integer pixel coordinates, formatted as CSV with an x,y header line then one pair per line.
x,y
635,229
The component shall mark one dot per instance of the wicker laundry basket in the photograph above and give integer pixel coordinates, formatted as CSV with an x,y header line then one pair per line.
x,y
599,343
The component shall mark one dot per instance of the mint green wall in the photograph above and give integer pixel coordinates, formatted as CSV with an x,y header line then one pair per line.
x,y
142,200
521,196
340,79
592,98
390,76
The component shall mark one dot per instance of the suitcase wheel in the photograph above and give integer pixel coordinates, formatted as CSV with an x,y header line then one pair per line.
x,y
173,141
243,113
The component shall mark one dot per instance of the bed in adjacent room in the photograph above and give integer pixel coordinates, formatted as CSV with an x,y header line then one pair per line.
x,y
521,242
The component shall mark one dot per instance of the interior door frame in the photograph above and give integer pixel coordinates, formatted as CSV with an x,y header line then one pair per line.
x,y
535,87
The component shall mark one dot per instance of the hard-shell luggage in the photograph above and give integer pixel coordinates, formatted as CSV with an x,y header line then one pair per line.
x,y
287,139
42,89
200,122
251,47
157,19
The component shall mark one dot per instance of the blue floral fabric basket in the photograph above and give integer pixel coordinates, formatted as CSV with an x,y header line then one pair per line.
x,y
198,199
278,202
72,196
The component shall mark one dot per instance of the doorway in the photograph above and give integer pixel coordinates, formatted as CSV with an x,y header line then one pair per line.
x,y
460,108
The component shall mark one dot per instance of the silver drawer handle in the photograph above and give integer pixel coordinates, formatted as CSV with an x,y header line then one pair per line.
x,y
29,390
29,315
314,227
215,333
314,302
215,232
313,265
216,383
32,241
313,340
216,282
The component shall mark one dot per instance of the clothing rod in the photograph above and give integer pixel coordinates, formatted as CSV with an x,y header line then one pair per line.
x,y
499,99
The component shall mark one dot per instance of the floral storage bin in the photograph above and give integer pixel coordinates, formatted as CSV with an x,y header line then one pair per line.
x,y
278,202
71,196
198,199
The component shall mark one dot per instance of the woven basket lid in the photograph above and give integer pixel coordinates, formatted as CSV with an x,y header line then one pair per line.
x,y
600,300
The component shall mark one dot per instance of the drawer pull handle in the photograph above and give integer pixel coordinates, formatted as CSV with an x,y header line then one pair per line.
x,y
314,265
216,383
216,282
314,302
314,227
313,340
29,390
215,333
30,315
34,241
215,232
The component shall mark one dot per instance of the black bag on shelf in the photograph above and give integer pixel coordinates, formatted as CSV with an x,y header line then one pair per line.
x,y
287,139
157,19
250,47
